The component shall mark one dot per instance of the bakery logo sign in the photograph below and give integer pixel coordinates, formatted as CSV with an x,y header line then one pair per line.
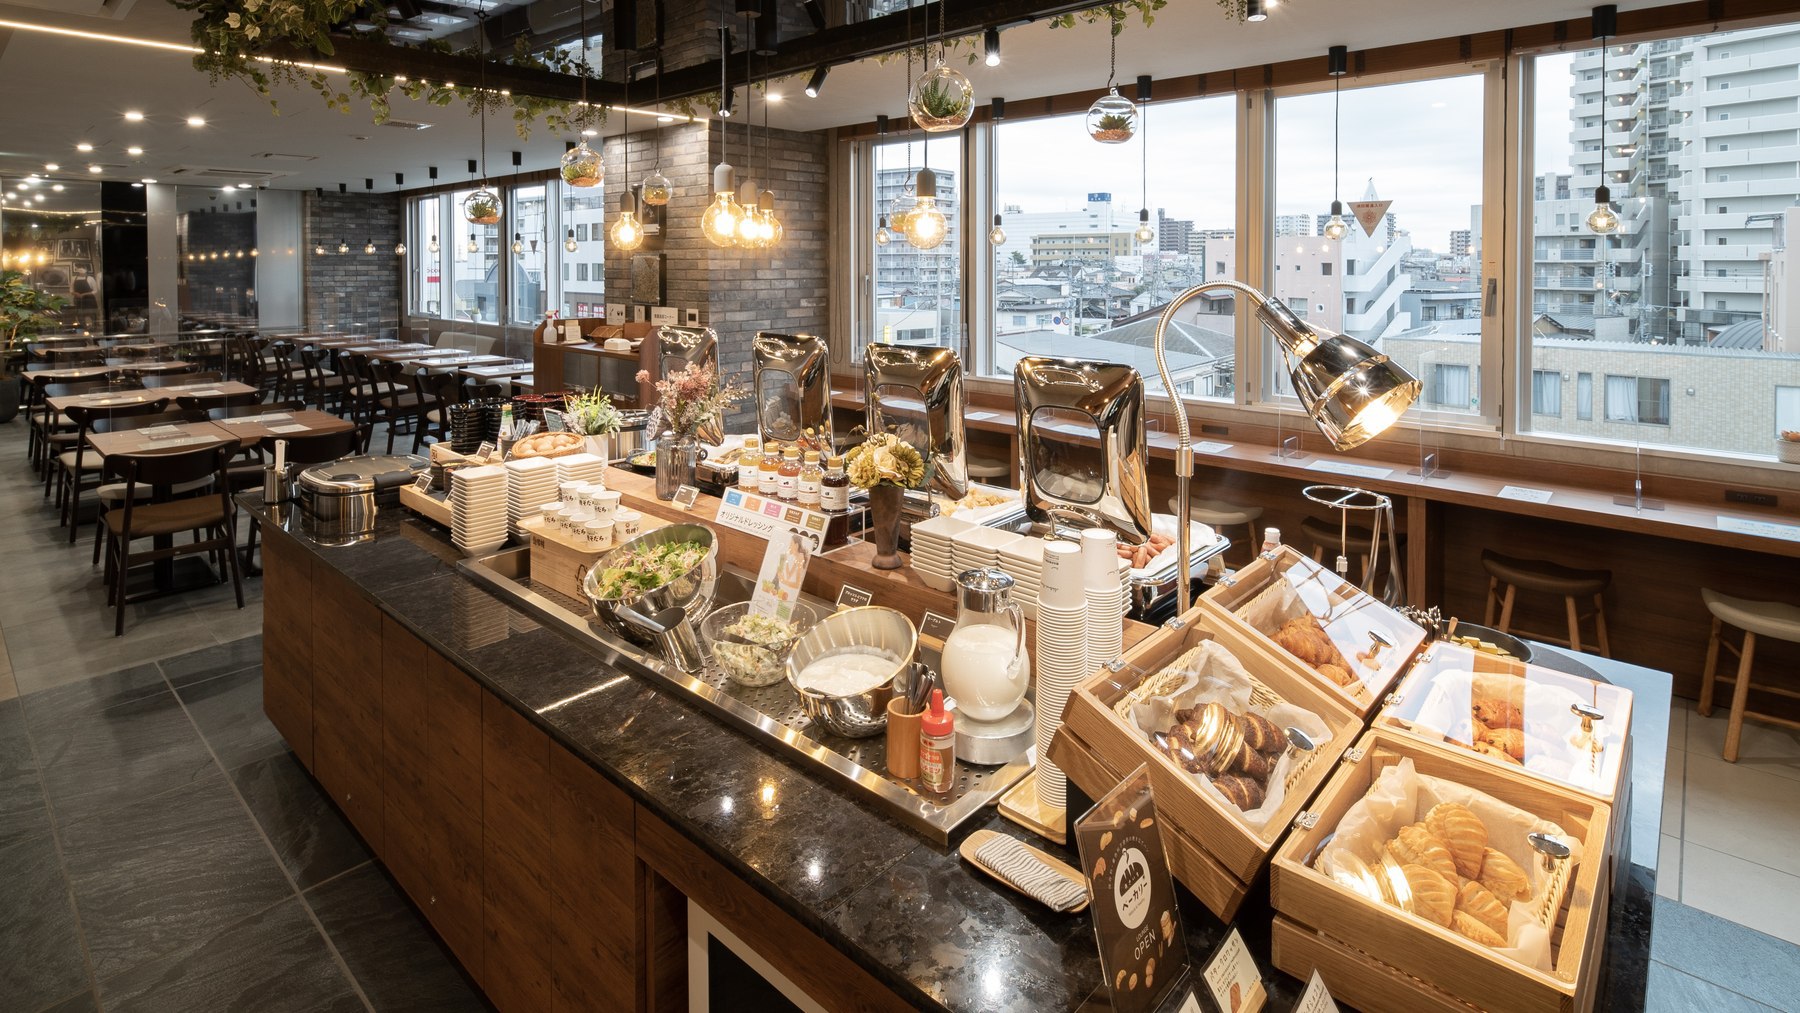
x,y
1137,922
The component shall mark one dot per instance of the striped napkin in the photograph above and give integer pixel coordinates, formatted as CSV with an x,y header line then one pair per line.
x,y
1019,864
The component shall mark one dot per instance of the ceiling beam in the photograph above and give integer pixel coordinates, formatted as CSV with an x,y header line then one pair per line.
x,y
358,54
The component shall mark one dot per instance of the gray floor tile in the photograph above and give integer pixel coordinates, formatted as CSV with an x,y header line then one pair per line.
x,y
228,711
271,962
82,1002
163,875
399,963
219,659
43,961
54,661
95,694
1672,991
92,762
1741,891
1746,961
313,840
22,806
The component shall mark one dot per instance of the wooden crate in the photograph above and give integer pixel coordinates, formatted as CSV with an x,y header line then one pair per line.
x,y
1211,850
425,505
560,562
1231,595
1379,958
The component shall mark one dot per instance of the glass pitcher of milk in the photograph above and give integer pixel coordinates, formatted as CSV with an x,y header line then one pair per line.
x,y
986,667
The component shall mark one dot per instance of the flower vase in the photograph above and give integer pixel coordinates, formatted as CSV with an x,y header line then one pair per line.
x,y
596,444
675,460
884,525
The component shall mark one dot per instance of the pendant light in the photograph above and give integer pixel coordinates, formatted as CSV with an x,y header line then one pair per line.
x,y
1112,119
342,248
1603,219
941,99
582,166
1337,64
569,241
656,188
749,226
926,225
368,248
882,235
433,246
518,245
1144,233
399,249
719,221
483,206
626,234
474,245
997,234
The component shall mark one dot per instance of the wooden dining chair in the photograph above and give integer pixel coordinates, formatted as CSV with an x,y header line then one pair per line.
x,y
81,467
111,494
55,432
328,391
210,517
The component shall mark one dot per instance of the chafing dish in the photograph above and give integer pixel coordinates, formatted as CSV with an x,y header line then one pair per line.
x,y
793,388
916,391
339,499
1081,437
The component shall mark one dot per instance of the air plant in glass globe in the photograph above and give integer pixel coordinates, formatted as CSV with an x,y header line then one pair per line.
x,y
582,167
482,207
656,188
1112,119
941,99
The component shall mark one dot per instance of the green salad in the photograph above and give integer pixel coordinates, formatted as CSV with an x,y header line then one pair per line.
x,y
639,570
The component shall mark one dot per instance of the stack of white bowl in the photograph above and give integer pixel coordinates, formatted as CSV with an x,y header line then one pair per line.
x,y
1061,658
975,548
478,509
931,555
530,482
1023,559
1106,594
587,468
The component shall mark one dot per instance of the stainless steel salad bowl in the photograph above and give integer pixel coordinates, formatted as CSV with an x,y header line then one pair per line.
x,y
858,630
691,591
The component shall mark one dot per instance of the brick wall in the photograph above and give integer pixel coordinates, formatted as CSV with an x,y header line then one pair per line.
x,y
355,289
224,276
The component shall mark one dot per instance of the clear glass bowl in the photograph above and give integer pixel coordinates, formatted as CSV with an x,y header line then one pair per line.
x,y
1112,119
482,207
582,167
748,664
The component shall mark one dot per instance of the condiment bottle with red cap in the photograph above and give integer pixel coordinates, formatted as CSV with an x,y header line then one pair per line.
x,y
937,746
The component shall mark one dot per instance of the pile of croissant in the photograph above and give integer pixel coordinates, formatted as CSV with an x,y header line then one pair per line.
x,y
1497,718
1456,879
1243,776
1305,639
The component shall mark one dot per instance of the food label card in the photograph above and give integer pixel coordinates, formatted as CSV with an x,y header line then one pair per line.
x,y
1137,922
1317,998
1233,979
850,597
771,518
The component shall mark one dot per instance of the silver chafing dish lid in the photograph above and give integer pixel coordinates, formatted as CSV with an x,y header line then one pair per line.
x,y
361,474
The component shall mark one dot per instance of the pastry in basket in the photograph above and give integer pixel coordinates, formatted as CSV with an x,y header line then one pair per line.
x,y
548,445
1462,832
1338,674
1510,741
1433,896
1497,712
1262,734
1221,746
1241,791
1473,928
1503,877
1486,748
1417,845
1304,638
1479,903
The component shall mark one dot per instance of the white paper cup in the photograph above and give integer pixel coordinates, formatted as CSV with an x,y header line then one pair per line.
x,y
599,534
549,511
1099,558
625,524
606,502
1062,585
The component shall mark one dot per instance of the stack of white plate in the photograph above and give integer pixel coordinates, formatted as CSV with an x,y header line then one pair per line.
x,y
977,548
580,468
1062,663
478,509
530,482
1023,559
931,557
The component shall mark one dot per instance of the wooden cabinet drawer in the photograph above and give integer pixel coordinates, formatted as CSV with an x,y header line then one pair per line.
x,y
347,687
515,880
593,914
287,644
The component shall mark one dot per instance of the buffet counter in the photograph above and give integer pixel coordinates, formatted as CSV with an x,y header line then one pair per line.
x,y
564,825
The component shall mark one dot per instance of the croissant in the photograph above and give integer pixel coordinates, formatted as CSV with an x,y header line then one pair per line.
x,y
1417,845
1473,928
1501,875
1261,734
1304,639
1496,712
1511,741
1337,673
1240,791
1479,903
1433,897
1462,832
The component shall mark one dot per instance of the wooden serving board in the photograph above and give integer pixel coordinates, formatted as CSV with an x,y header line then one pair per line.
x,y
977,840
425,505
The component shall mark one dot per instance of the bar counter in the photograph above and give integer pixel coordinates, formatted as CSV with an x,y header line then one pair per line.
x,y
552,815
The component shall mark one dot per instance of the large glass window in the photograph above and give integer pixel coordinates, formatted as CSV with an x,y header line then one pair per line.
x,y
584,211
1408,285
1072,278
426,257
474,255
529,284
1694,137
917,293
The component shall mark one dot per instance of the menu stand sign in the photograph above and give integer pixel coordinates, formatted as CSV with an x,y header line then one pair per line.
x,y
1137,922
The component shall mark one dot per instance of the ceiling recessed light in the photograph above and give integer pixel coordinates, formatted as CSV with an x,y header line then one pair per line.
x,y
51,167
84,146
196,121
773,96
94,169
243,186
137,186
57,187
39,198
590,132
135,116
134,150
147,179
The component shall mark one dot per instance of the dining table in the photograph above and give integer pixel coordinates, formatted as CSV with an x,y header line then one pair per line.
x,y
249,429
449,363
123,397
497,371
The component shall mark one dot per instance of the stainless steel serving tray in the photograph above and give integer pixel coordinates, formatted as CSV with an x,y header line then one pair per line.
x,y
772,712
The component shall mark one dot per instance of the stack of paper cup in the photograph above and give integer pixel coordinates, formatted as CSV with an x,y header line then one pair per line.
x,y
1105,595
1061,657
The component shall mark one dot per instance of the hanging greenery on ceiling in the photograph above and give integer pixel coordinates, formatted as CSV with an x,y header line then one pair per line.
x,y
1117,13
236,35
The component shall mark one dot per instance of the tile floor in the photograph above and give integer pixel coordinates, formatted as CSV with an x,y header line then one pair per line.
x,y
160,849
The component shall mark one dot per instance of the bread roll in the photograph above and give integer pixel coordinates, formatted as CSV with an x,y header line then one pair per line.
x,y
1481,904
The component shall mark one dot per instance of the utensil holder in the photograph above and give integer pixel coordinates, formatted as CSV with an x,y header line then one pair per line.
x,y
903,739
278,485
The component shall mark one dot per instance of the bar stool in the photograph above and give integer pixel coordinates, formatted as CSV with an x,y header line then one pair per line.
x,y
1756,618
1545,577
1326,539
990,468
1219,515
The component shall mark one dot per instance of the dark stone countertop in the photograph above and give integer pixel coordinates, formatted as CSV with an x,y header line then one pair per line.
x,y
941,934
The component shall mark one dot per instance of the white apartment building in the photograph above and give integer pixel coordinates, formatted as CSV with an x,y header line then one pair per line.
x,y
1098,215
1352,286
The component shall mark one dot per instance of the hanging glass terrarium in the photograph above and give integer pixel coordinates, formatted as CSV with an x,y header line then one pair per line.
x,y
482,207
941,100
582,167
656,189
1112,119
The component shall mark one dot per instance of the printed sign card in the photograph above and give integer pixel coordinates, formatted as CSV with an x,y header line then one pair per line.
x,y
783,571
1233,979
1137,922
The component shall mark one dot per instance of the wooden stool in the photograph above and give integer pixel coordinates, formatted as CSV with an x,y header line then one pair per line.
x,y
1546,577
1755,618
991,469
1219,515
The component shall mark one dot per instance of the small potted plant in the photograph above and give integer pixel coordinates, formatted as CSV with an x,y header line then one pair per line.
x,y
689,405
482,207
592,415
941,100
1113,128
886,466
24,311
1787,446
582,167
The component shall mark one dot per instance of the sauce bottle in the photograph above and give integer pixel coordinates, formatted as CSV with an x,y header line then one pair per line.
x,y
787,484
834,486
937,746
811,479
768,477
750,463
